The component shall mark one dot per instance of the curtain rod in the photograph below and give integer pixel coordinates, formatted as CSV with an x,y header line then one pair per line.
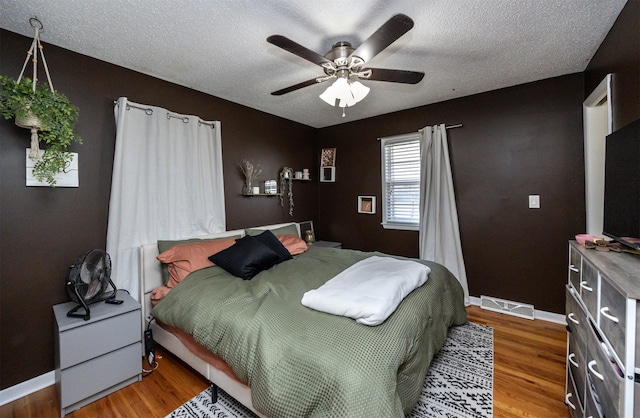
x,y
459,125
184,119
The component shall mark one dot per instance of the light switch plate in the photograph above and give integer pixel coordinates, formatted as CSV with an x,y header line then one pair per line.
x,y
534,201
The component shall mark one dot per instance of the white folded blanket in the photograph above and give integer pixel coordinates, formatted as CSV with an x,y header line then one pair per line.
x,y
368,291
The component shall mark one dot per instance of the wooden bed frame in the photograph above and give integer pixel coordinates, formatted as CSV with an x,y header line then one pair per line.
x,y
151,278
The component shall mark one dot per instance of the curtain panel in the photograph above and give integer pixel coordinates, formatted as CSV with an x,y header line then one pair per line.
x,y
439,236
167,183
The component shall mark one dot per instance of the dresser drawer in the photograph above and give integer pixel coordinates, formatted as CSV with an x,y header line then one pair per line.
x,y
93,376
592,408
575,316
589,288
86,342
575,407
613,316
577,366
575,266
608,385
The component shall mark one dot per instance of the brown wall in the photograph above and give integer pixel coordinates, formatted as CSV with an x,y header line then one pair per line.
x,y
43,231
514,142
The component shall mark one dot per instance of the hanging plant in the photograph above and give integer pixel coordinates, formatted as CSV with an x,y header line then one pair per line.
x,y
286,176
56,120
42,110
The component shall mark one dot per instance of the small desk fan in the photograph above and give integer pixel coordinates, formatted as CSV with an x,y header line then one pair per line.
x,y
87,281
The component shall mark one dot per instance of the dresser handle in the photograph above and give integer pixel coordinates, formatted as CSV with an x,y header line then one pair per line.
x,y
583,284
595,373
572,319
566,400
573,268
605,312
572,361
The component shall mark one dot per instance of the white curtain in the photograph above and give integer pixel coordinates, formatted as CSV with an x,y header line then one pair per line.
x,y
167,183
439,231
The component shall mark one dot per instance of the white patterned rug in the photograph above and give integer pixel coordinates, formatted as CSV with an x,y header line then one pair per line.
x,y
459,383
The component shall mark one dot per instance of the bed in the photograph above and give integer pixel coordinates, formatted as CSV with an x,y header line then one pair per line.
x,y
257,342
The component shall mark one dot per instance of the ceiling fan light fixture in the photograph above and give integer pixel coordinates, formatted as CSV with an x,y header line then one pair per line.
x,y
359,91
345,93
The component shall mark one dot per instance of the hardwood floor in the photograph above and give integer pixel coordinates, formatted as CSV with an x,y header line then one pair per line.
x,y
529,377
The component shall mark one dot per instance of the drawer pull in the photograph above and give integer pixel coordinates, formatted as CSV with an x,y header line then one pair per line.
x,y
566,400
572,318
605,312
572,361
583,284
573,268
592,363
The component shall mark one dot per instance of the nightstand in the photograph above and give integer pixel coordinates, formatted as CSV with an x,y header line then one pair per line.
x,y
328,244
96,357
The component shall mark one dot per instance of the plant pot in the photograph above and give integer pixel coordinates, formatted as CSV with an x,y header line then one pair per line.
x,y
29,121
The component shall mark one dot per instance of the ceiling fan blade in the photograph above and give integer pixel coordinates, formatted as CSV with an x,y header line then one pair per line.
x,y
295,87
395,76
297,49
393,29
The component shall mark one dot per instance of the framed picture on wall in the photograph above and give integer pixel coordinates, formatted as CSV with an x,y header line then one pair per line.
x,y
327,174
328,157
367,204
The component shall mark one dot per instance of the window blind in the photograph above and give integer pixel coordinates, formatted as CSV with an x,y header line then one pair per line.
x,y
401,178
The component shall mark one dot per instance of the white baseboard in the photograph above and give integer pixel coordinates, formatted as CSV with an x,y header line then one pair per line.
x,y
20,390
542,315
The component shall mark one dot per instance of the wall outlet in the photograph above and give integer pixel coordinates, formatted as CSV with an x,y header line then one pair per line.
x,y
534,201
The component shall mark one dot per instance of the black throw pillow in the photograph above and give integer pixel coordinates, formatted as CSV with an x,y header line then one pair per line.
x,y
270,240
246,258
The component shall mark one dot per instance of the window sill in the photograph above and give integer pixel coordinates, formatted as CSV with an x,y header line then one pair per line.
x,y
404,227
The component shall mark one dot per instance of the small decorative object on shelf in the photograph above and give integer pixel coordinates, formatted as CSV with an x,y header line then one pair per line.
x,y
270,187
286,175
305,174
252,172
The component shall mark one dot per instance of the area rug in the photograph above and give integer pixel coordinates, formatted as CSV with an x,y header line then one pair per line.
x,y
459,383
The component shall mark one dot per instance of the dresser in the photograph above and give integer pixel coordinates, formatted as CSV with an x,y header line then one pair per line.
x,y
96,357
603,324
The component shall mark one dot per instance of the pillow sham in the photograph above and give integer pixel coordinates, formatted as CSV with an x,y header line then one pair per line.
x,y
246,258
294,244
283,230
184,258
164,245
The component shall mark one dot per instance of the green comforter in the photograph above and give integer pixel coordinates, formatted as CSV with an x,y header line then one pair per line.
x,y
300,362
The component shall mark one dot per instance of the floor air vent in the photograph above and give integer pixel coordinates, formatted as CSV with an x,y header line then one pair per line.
x,y
507,307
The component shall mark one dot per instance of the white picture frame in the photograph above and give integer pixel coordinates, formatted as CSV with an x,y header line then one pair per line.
x,y
327,174
367,204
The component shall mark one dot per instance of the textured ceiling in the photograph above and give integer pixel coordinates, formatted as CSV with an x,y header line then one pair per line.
x,y
219,46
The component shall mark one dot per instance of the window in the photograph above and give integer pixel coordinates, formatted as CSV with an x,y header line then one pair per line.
x,y
401,181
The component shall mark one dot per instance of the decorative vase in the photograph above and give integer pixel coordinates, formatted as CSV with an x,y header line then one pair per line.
x,y
248,189
308,237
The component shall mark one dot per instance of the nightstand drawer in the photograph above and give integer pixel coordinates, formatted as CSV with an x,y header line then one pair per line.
x,y
86,342
94,376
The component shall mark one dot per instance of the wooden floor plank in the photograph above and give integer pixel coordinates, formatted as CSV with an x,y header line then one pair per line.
x,y
529,373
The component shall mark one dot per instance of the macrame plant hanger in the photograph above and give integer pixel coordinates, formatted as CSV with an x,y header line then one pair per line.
x,y
31,121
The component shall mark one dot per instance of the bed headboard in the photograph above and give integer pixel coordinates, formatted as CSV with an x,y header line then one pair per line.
x,y
150,275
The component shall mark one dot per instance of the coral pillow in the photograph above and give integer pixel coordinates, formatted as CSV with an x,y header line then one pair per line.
x,y
185,258
294,244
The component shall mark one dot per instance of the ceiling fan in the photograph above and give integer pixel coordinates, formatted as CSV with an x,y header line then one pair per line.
x,y
347,65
